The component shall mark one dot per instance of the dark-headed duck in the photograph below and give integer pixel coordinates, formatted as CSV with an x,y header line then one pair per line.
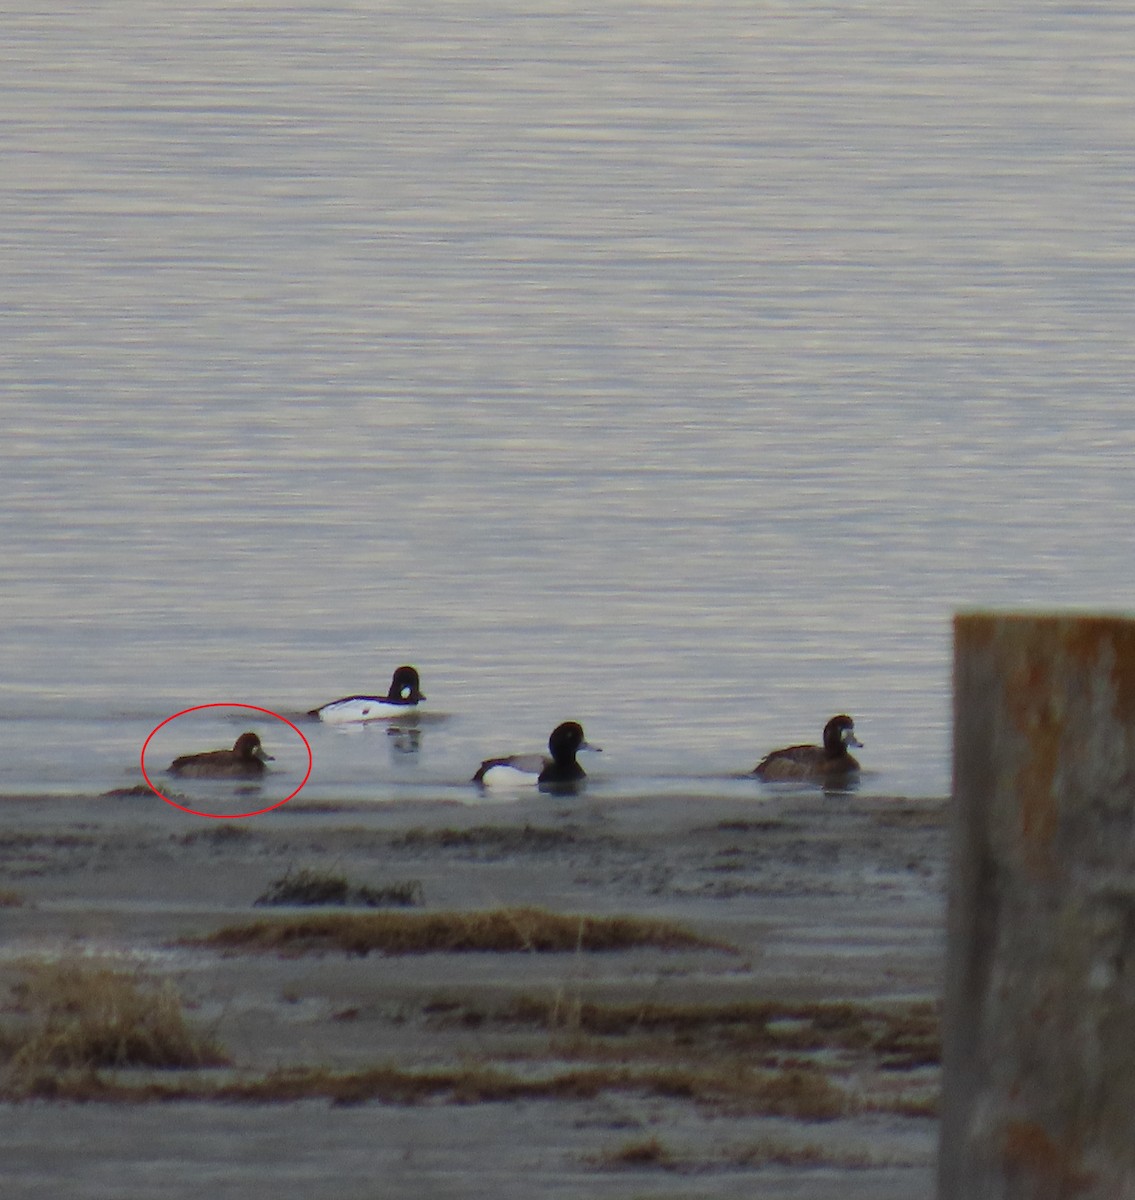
x,y
825,763
403,697
244,761
561,772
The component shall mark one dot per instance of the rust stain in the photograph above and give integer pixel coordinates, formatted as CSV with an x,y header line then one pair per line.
x,y
1088,642
1048,662
1030,706
1029,1153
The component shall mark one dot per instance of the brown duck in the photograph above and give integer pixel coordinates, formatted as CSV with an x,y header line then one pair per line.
x,y
244,761
825,764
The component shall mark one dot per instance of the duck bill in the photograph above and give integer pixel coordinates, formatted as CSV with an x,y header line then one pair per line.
x,y
589,746
263,755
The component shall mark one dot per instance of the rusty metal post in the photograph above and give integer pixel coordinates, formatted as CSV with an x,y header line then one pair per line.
x,y
1039,1042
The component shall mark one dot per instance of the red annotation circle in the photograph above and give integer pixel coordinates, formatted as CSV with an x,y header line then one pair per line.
x,y
228,816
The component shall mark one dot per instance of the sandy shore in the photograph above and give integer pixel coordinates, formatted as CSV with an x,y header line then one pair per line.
x,y
807,901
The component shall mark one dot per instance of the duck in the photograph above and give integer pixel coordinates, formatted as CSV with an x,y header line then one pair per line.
x,y
826,763
403,698
561,772
244,761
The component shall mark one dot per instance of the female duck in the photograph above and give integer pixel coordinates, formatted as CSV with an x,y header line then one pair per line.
x,y
559,773
244,761
828,763
403,698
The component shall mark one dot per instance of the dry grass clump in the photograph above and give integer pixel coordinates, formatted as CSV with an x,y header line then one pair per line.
x,y
79,1017
770,1152
472,1084
809,1062
803,1093
752,1093
322,887
898,1037
500,930
925,1105
137,790
641,1152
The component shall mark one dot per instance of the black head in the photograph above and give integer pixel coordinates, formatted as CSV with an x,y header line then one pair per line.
x,y
839,733
248,747
563,773
566,739
405,686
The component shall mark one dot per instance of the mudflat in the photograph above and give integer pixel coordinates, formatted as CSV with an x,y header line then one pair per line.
x,y
665,996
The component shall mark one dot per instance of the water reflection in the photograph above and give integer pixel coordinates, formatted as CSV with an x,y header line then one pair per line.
x,y
404,740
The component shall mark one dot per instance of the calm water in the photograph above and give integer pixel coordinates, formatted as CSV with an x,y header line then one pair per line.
x,y
677,368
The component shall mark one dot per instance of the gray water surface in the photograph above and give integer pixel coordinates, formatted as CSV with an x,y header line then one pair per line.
x,y
680,369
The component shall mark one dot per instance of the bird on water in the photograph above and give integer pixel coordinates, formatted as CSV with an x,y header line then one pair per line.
x,y
403,698
244,761
561,772
829,763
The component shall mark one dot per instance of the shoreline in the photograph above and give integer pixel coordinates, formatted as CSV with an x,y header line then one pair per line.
x,y
830,906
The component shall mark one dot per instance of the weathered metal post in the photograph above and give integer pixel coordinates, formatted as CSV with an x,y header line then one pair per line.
x,y
1039,1054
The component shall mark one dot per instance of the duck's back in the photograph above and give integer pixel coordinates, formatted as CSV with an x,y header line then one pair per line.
x,y
217,764
804,762
793,762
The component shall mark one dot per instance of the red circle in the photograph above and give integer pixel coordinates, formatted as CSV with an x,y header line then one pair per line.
x,y
228,816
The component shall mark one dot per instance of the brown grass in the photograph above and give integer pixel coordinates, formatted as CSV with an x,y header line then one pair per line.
x,y
773,825
79,1017
924,1105
219,833
807,1061
754,1093
769,1152
899,1037
803,1093
322,887
501,930
10,898
642,1152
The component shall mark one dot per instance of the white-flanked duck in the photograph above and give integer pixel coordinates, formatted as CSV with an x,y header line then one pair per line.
x,y
403,698
561,772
